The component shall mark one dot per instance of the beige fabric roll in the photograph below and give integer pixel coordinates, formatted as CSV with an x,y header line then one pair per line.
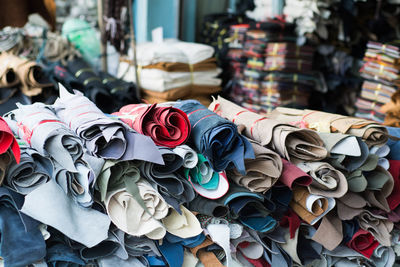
x,y
292,143
130,217
29,73
371,132
327,181
377,225
8,77
262,172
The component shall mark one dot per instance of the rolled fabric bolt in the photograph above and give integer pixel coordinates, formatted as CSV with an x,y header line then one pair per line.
x,y
32,171
216,138
311,208
290,142
167,126
327,181
126,213
262,172
103,136
292,175
363,242
166,179
77,185
39,127
29,73
371,132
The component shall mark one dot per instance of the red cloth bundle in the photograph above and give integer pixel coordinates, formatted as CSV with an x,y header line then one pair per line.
x,y
7,140
167,126
363,242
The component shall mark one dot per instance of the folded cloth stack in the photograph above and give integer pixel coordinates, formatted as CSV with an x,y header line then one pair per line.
x,y
381,70
269,69
223,187
174,70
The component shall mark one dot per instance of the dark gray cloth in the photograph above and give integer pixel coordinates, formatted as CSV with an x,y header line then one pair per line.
x,y
104,137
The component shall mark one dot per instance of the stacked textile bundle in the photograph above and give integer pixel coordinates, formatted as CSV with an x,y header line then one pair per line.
x,y
382,73
176,184
269,69
174,70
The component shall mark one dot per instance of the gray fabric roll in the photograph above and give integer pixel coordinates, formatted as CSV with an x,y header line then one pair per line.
x,y
50,205
175,189
189,156
103,137
37,125
76,184
32,171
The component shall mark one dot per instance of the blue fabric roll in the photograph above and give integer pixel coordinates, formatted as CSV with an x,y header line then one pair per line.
x,y
216,138
394,144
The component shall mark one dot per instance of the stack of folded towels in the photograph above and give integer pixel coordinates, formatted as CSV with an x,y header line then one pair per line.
x,y
182,184
173,70
269,69
382,73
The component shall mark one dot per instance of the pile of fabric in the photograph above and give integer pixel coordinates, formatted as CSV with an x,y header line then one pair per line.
x,y
269,69
173,70
181,184
34,60
381,70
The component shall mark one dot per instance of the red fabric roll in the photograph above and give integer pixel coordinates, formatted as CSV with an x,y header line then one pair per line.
x,y
394,198
7,140
292,175
363,242
167,126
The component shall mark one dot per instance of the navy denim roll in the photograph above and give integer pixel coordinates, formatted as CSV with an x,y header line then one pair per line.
x,y
216,138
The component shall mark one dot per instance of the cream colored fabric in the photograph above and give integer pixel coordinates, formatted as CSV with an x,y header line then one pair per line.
x,y
131,218
184,226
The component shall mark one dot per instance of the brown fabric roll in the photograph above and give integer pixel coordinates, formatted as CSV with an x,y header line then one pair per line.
x,y
298,205
292,143
371,132
262,172
8,77
29,74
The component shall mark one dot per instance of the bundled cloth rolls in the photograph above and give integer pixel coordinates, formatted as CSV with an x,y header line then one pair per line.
x,y
37,125
289,141
103,136
371,132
